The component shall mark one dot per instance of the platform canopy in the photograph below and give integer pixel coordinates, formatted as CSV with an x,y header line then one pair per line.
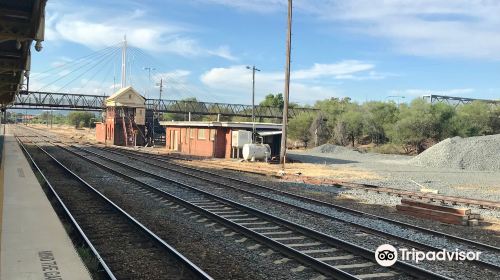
x,y
126,97
21,23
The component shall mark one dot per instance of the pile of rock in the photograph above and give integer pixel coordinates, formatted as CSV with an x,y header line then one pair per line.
x,y
332,149
480,153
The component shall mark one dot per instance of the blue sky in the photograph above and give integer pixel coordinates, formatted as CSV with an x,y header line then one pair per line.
x,y
363,49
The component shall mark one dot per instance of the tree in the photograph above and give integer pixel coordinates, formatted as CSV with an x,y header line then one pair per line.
x,y
416,124
80,119
473,119
331,109
272,100
319,130
378,118
298,127
495,120
350,125
443,125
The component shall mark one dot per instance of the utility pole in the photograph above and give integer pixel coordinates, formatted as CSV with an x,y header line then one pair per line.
x,y
161,87
156,114
287,86
149,69
253,68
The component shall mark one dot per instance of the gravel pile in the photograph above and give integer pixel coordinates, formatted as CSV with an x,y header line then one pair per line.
x,y
332,149
481,153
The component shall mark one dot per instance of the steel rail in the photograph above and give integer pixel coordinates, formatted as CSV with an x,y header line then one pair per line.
x,y
361,251
374,231
171,250
359,225
315,201
311,200
68,213
297,255
390,191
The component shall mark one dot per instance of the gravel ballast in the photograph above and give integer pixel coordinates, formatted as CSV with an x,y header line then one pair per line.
x,y
481,153
320,224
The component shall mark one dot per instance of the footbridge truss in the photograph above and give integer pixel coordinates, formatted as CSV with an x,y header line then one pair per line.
x,y
454,100
83,102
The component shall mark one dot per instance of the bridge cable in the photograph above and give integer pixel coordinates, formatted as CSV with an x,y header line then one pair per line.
x,y
104,63
72,63
172,81
98,59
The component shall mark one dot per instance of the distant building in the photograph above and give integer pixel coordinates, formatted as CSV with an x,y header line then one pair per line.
x,y
125,119
219,139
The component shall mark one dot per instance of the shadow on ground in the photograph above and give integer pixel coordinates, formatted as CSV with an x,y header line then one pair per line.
x,y
319,159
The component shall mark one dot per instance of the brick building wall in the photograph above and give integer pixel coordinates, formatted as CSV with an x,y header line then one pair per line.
x,y
215,141
194,141
100,132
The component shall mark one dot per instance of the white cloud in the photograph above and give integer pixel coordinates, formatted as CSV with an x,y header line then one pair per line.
x,y
340,70
224,52
421,92
93,30
306,85
261,6
435,28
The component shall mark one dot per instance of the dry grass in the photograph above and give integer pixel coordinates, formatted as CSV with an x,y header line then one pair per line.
x,y
70,132
305,169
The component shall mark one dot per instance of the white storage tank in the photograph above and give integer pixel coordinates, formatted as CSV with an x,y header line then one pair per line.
x,y
240,138
256,151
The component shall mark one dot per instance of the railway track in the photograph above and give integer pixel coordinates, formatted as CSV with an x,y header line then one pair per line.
x,y
328,255
365,229
445,199
134,156
124,247
251,187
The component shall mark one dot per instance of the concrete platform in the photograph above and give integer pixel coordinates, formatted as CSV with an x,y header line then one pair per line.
x,y
34,244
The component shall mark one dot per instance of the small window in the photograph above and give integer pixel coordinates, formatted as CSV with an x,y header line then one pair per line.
x,y
212,134
191,133
130,96
201,134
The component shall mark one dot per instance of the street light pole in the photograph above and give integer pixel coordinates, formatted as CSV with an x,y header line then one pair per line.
x,y
287,85
149,69
253,68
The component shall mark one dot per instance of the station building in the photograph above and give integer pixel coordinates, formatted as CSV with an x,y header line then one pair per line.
x,y
219,139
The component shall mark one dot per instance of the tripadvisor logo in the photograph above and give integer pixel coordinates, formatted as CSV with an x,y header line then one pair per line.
x,y
387,255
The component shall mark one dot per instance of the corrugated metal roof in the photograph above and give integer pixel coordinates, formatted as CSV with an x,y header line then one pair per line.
x,y
269,133
223,124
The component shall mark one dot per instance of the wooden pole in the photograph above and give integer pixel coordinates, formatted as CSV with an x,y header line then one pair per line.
x,y
287,86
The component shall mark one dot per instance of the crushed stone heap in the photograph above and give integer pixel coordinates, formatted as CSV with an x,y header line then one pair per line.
x,y
481,153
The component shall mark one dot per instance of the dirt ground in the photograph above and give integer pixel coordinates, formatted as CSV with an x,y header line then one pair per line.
x,y
299,169
81,134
